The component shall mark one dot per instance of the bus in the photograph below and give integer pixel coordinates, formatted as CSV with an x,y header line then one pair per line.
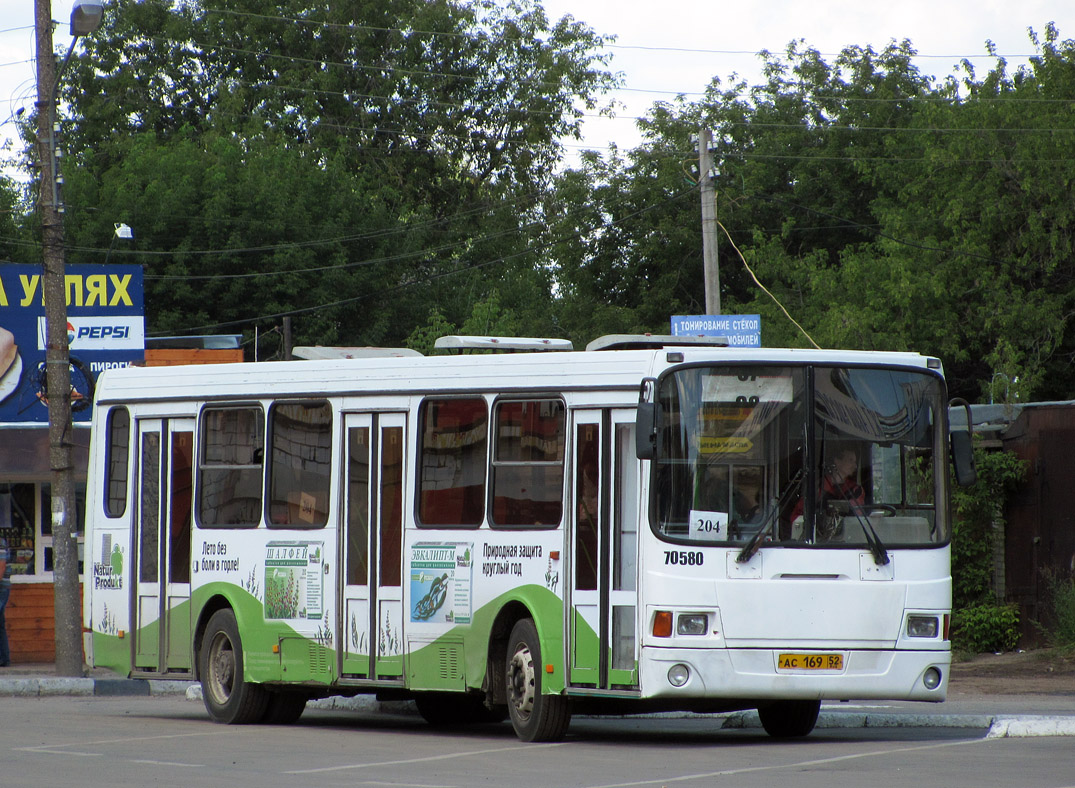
x,y
651,524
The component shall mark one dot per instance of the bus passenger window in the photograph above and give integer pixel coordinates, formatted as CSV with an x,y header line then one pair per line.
x,y
229,467
528,464
587,522
117,461
358,506
452,462
300,464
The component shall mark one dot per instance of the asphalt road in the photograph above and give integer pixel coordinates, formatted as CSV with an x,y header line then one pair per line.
x,y
167,740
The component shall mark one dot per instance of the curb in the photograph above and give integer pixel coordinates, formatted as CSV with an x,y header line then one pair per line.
x,y
89,687
996,726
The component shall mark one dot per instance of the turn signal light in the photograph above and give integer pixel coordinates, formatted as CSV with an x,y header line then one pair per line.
x,y
662,624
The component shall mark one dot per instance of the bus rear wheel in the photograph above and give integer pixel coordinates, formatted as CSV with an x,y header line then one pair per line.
x,y
789,719
228,697
535,717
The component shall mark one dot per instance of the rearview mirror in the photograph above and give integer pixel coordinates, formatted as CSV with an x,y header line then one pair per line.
x,y
646,431
646,421
962,447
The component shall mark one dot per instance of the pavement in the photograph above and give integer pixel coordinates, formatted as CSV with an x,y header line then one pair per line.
x,y
1008,714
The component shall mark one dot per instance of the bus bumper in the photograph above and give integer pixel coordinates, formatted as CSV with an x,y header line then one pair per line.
x,y
754,673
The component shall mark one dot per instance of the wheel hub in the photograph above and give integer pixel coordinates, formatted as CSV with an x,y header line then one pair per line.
x,y
522,682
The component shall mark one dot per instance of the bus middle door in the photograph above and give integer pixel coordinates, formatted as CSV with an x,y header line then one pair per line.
x,y
604,550
371,584
161,546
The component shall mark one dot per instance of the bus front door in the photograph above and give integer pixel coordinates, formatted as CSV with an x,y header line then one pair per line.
x,y
371,584
604,551
161,546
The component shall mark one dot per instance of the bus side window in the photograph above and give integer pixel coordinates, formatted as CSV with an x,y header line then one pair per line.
x,y
528,463
452,462
587,522
300,463
117,461
230,467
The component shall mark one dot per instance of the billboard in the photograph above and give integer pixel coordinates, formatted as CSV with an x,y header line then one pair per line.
x,y
105,328
740,330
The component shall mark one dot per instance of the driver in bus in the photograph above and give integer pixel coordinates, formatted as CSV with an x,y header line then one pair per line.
x,y
838,484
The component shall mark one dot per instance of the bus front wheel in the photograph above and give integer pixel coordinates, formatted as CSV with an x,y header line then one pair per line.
x,y
789,719
228,697
535,717
284,707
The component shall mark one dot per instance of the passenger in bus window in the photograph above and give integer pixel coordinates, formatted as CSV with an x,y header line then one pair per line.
x,y
748,484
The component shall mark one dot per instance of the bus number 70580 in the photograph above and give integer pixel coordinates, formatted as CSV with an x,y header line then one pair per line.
x,y
683,558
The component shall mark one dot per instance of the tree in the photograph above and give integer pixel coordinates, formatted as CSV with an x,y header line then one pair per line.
x,y
350,164
882,209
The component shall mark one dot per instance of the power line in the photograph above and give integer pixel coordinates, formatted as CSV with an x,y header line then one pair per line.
x,y
435,277
609,41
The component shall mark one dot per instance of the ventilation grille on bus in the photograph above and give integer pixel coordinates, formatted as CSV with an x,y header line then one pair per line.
x,y
450,659
319,662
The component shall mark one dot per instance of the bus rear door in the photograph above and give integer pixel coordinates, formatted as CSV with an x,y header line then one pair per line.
x,y
161,546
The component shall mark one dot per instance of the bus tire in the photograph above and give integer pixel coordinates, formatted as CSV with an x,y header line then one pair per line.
x,y
535,716
228,697
789,719
284,707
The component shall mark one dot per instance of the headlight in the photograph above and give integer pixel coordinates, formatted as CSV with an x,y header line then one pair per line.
x,y
692,624
922,626
678,675
931,678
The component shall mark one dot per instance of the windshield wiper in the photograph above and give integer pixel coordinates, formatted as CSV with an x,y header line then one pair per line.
x,y
752,546
880,554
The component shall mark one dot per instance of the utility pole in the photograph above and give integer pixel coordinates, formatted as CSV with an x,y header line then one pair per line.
x,y
707,175
289,344
68,626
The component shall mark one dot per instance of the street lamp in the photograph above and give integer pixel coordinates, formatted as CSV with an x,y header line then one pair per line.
x,y
122,231
85,18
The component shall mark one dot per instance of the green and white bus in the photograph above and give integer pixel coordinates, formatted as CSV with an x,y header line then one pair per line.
x,y
647,525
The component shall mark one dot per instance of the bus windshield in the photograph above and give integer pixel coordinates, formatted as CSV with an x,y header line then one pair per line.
x,y
807,456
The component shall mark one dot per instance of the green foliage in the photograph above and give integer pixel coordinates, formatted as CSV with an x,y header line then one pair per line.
x,y
423,337
977,508
884,209
350,164
356,165
486,319
1059,626
985,628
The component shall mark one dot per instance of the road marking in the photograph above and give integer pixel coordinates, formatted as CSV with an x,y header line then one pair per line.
x,y
45,750
61,749
446,756
168,763
783,766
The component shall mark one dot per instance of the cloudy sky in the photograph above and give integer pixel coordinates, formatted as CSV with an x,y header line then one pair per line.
x,y
680,45
677,46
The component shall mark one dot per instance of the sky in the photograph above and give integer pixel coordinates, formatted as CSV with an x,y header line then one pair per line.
x,y
723,38
709,38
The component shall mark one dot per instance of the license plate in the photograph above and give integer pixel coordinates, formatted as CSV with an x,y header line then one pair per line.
x,y
810,661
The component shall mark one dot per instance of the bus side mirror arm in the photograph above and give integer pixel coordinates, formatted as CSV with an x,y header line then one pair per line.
x,y
962,448
646,421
